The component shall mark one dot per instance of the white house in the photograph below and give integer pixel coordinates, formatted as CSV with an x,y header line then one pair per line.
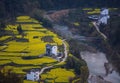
x,y
54,50
33,75
104,16
51,49
104,11
103,20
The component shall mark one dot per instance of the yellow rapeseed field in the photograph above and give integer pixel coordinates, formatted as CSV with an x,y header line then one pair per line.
x,y
15,49
4,38
59,75
95,11
76,23
2,62
28,81
38,61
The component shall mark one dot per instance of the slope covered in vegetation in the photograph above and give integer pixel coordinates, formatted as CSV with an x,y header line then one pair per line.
x,y
15,47
23,49
13,8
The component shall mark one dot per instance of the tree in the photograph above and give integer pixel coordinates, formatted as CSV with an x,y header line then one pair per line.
x,y
84,74
2,27
20,31
10,77
74,63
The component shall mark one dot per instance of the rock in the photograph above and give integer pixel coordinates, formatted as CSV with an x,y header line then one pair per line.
x,y
97,79
108,68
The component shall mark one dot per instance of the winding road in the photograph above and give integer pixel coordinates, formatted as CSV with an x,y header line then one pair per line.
x,y
65,51
63,60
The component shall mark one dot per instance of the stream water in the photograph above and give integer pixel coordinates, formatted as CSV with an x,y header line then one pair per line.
x,y
95,62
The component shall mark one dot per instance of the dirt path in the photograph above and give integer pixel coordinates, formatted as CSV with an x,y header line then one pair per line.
x,y
97,28
65,51
63,60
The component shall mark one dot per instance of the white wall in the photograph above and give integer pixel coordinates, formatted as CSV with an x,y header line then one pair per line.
x,y
104,16
30,76
104,12
54,50
103,20
34,76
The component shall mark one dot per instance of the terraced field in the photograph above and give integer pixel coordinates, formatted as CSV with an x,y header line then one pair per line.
x,y
12,50
58,75
20,53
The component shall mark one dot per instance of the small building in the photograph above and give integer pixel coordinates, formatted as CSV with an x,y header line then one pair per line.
x,y
33,75
54,50
104,16
103,20
93,17
51,50
104,11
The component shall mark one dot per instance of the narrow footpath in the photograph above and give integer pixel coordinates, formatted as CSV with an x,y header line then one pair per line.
x,y
97,28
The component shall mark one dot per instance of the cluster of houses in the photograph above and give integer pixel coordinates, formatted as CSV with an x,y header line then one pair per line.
x,y
102,18
51,50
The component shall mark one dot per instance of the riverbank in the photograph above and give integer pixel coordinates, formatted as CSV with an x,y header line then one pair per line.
x,y
96,64
90,45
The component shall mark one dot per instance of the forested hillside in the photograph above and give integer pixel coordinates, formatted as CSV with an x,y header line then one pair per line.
x,y
112,30
51,21
16,7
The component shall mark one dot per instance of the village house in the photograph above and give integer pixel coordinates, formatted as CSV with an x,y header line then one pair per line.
x,y
104,16
33,75
51,50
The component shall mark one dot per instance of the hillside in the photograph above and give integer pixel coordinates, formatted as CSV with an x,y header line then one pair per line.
x,y
25,49
27,27
112,46
13,8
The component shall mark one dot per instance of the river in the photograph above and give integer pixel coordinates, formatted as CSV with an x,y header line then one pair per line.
x,y
95,63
